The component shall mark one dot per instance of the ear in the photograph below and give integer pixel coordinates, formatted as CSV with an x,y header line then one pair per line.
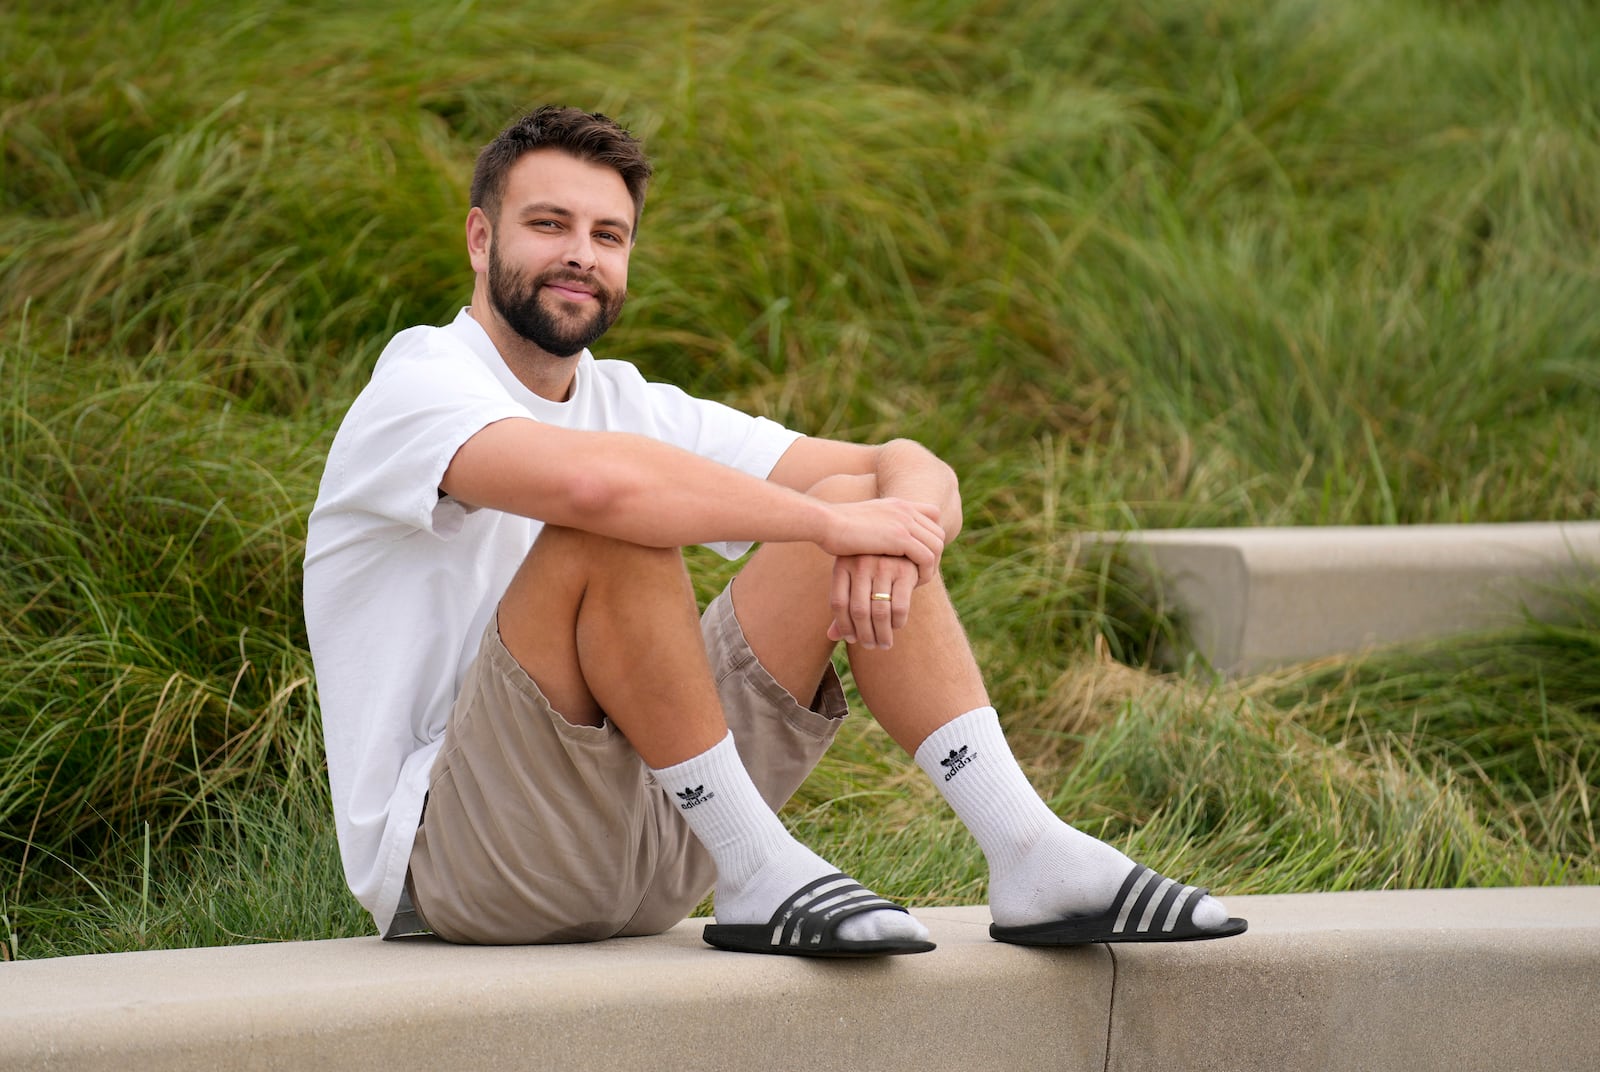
x,y
480,236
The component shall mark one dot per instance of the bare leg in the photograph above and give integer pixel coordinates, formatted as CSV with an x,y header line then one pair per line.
x,y
610,629
926,679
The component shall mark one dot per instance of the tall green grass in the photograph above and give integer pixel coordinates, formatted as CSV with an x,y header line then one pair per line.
x,y
1129,264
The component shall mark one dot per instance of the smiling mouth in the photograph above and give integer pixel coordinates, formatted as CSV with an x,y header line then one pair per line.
x,y
570,292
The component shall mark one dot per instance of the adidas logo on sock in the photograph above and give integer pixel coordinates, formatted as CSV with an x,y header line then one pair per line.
x,y
957,759
694,796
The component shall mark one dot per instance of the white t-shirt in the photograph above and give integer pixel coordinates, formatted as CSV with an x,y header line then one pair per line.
x,y
400,583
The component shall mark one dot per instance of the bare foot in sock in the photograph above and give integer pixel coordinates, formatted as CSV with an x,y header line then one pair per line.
x,y
1067,873
755,900
1041,870
760,865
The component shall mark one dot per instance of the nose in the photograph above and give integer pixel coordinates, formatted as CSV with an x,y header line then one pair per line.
x,y
579,253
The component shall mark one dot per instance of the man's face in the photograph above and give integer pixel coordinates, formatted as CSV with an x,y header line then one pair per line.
x,y
558,258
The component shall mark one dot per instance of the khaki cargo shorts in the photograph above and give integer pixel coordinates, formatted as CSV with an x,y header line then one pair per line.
x,y
537,830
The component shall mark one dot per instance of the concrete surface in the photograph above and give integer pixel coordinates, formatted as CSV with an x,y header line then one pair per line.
x,y
1449,980
1259,598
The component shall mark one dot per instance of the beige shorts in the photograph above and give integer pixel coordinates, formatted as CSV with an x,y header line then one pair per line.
x,y
537,830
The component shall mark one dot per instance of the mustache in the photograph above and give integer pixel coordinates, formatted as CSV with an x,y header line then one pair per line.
x,y
580,278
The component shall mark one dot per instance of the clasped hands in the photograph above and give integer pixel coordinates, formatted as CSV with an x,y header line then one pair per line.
x,y
870,594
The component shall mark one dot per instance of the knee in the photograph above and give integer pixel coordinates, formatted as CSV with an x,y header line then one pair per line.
x,y
592,553
582,544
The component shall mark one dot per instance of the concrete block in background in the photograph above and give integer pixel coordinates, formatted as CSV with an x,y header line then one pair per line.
x,y
1255,599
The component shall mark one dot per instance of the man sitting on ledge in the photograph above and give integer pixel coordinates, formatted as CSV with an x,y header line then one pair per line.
x,y
533,735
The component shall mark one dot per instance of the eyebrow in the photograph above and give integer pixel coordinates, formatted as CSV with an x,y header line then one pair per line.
x,y
548,208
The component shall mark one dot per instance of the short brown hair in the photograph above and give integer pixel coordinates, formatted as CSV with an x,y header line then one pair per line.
x,y
586,135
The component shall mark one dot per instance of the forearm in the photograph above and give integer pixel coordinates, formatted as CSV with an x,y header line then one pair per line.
x,y
628,487
647,493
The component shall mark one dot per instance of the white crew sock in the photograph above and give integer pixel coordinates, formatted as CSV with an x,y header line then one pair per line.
x,y
759,863
1040,868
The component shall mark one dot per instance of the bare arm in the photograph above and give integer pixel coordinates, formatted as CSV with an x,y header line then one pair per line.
x,y
637,489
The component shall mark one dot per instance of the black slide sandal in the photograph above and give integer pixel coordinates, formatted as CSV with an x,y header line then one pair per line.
x,y
807,924
1148,908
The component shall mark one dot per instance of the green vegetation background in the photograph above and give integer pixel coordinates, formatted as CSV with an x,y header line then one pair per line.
x,y
1127,264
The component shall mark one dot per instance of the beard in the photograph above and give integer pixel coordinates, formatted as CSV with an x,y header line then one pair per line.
x,y
520,302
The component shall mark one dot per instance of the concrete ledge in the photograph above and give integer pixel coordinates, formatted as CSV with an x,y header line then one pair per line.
x,y
1259,598
1495,979
1450,980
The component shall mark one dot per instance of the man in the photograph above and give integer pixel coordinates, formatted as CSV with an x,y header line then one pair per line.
x,y
533,735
